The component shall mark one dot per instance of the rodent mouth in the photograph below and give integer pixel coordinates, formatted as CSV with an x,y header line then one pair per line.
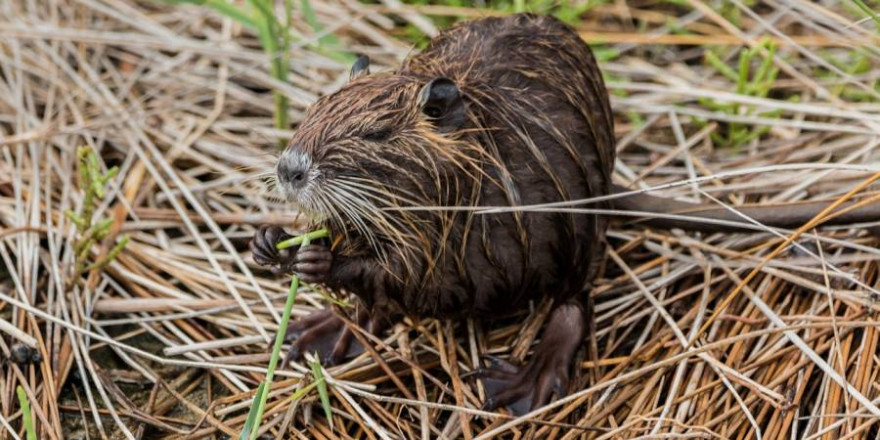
x,y
315,217
346,209
302,200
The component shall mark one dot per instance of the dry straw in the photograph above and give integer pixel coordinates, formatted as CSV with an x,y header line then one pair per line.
x,y
712,336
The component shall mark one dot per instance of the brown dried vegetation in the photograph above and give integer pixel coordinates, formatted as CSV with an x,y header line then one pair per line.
x,y
713,336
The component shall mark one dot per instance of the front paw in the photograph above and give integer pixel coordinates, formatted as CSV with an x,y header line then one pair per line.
x,y
264,250
311,263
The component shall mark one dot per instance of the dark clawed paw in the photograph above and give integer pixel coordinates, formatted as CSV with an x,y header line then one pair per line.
x,y
263,246
323,333
497,367
522,389
312,263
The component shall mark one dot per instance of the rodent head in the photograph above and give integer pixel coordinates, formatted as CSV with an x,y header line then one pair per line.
x,y
380,143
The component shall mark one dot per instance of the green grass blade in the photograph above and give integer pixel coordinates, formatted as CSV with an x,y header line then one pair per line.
x,y
231,11
260,403
327,44
303,391
264,8
765,70
268,29
867,9
317,371
255,416
745,60
312,21
285,52
252,422
26,417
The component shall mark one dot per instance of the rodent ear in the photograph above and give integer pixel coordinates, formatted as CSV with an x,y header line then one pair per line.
x,y
441,101
361,67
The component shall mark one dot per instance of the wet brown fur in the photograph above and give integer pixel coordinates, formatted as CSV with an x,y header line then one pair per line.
x,y
401,187
539,129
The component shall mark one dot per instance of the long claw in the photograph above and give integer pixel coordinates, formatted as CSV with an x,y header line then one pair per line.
x,y
501,364
263,246
476,372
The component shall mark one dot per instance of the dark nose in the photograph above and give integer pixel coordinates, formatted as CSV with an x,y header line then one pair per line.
x,y
292,172
293,176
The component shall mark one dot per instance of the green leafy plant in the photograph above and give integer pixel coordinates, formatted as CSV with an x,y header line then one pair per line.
x,y
255,415
756,82
93,183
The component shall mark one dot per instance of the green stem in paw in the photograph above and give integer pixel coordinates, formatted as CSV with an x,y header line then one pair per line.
x,y
255,416
303,239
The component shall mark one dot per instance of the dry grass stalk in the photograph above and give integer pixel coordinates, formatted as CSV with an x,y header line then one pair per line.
x,y
714,336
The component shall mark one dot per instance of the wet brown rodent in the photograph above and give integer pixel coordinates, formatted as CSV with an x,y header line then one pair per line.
x,y
494,112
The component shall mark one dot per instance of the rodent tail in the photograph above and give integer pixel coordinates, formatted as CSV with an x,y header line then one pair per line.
x,y
664,213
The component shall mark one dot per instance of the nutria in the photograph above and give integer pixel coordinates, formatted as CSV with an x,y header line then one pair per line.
x,y
494,112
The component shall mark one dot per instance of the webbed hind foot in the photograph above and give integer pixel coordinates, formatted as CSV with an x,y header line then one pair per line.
x,y
522,389
325,333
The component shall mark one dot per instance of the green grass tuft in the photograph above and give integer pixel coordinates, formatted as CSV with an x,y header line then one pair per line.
x,y
754,76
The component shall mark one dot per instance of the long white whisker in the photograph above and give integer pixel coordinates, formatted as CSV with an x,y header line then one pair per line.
x,y
369,210
364,185
382,222
343,204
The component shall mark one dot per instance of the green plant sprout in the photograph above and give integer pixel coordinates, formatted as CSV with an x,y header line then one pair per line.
x,y
757,83
732,12
93,182
255,415
298,394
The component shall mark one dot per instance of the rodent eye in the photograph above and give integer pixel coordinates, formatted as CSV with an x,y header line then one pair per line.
x,y
378,135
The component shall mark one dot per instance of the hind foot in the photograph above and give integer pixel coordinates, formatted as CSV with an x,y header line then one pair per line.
x,y
325,333
522,389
